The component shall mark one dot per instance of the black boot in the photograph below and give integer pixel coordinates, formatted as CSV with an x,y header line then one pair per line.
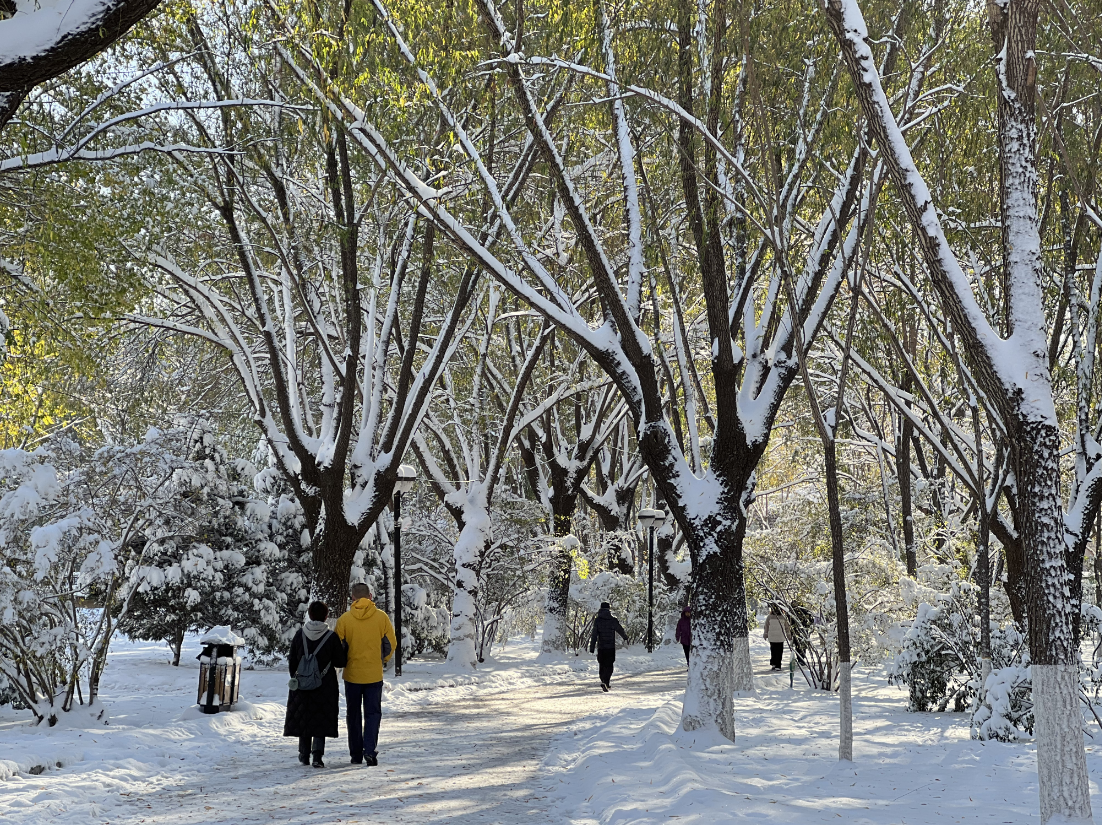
x,y
304,758
317,760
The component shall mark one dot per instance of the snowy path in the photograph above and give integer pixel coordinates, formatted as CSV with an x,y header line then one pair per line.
x,y
471,760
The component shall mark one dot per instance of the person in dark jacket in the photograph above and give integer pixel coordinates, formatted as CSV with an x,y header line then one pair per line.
x,y
605,628
684,632
312,714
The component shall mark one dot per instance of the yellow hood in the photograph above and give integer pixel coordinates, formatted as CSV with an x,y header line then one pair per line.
x,y
363,627
363,609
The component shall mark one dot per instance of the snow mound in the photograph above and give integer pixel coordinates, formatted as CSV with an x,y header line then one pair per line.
x,y
221,635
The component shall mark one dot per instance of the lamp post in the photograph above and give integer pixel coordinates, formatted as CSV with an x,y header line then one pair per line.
x,y
407,476
650,519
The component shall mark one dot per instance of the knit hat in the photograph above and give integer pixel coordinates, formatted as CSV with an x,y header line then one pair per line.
x,y
605,605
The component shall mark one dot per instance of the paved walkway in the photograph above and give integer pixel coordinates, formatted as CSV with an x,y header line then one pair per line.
x,y
474,761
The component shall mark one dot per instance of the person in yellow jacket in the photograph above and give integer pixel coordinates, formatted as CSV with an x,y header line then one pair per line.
x,y
370,638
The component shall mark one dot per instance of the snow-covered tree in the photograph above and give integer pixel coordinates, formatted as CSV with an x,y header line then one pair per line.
x,y
69,518
226,571
471,462
1011,366
312,306
736,276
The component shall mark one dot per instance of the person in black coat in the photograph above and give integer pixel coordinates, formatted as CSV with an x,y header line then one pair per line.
x,y
605,628
312,714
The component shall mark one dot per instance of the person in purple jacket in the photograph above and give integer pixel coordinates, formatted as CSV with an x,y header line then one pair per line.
x,y
684,632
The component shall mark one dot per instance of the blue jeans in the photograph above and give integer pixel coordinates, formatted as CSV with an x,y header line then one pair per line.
x,y
365,712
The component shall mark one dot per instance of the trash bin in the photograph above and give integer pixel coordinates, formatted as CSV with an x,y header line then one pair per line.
x,y
219,670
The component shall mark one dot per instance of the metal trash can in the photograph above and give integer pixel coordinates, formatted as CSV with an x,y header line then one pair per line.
x,y
219,670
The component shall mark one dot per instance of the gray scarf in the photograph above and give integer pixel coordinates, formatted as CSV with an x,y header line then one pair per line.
x,y
313,630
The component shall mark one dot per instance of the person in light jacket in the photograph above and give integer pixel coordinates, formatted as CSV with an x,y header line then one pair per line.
x,y
605,628
777,630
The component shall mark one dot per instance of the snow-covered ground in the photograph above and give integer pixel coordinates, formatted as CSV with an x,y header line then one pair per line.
x,y
783,768
160,760
521,741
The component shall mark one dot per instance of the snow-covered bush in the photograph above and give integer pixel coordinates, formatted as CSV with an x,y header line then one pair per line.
x,y
69,516
225,571
628,598
425,626
1005,711
939,657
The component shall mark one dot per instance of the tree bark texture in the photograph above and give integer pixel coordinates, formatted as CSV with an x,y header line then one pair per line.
x,y
333,547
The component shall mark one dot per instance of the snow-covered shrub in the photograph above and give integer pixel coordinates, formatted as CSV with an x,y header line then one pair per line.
x,y
1005,711
226,571
628,598
939,658
69,516
425,626
8,694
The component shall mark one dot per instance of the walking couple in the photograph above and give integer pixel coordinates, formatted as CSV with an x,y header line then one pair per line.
x,y
361,642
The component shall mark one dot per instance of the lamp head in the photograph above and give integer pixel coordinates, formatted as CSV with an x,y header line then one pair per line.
x,y
407,477
651,518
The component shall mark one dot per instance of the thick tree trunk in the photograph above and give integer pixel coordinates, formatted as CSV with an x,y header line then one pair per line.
x,y
743,668
333,549
718,609
558,583
719,663
1061,761
469,548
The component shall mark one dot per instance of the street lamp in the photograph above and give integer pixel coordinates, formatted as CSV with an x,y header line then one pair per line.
x,y
651,519
407,477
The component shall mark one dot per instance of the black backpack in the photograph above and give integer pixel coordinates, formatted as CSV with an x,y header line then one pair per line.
x,y
307,675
